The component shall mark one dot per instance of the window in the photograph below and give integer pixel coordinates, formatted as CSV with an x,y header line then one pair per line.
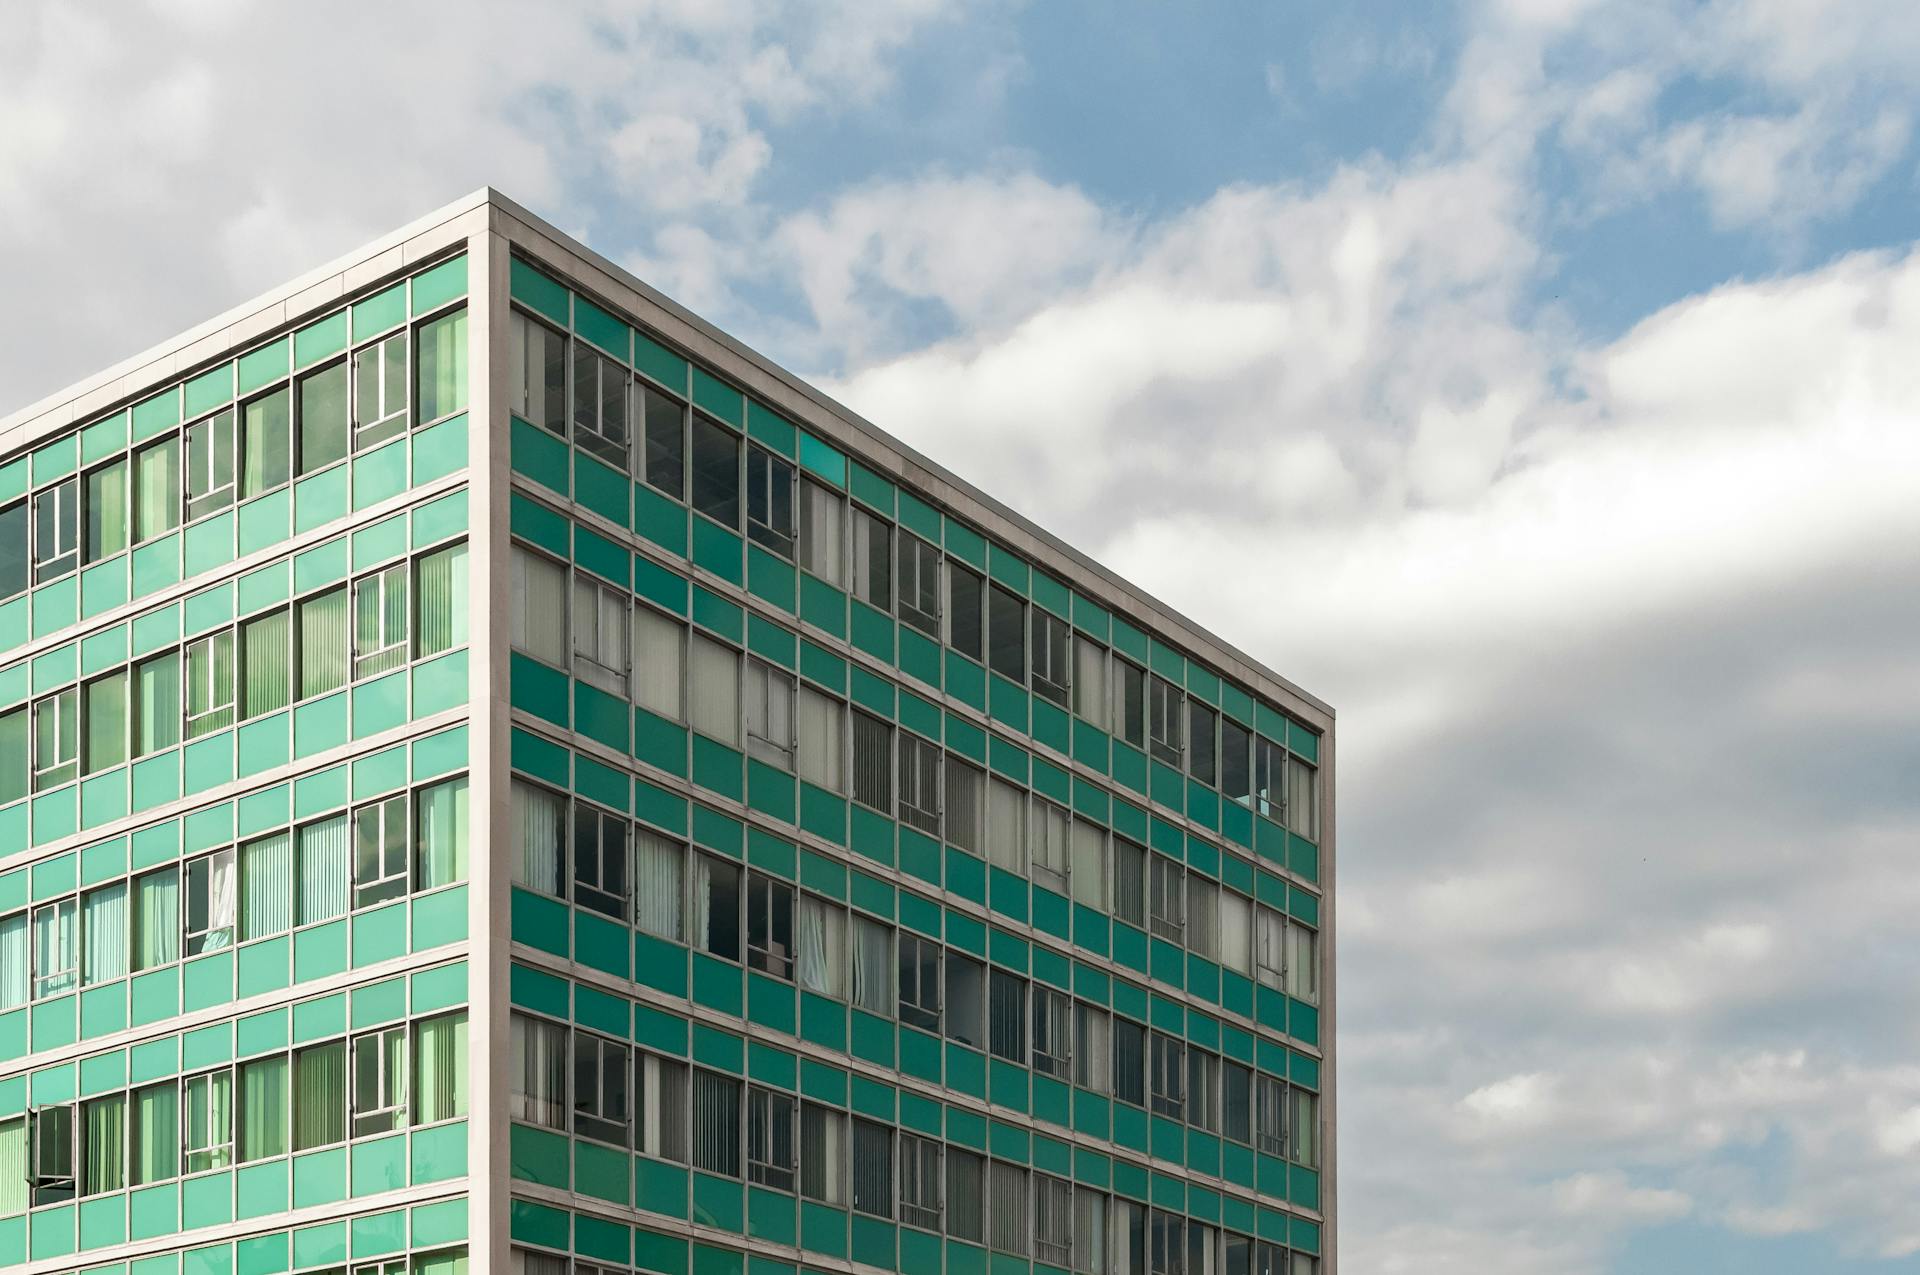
x,y
1167,899
872,560
1236,932
920,585
819,747
380,614
820,963
56,963
1163,710
527,1262
1092,1051
1168,1240
1168,1077
210,686
1303,805
920,1182
103,1124
659,661
1269,777
1090,681
1129,1061
440,1068
319,1095
1303,1128
714,689
599,405
324,639
538,1093
1130,702
1236,1101
872,762
966,1000
658,870
1052,1032
1089,874
919,784
872,950
966,1195
54,1179
822,531
600,860
156,919
266,664
16,754
207,1114
56,739
266,433
1007,1016
14,574
441,375
715,472
1238,1254
919,982
770,501
1270,947
538,824
1052,1220
380,852
715,1123
600,640
266,886
1203,917
600,1089
209,465
1007,1208
770,926
1050,849
966,621
1006,826
441,598
823,1154
156,704
1051,639
770,1140
56,530
1006,634
872,1168
663,1108
1089,1232
1303,963
1129,1238
537,373
1203,1090
262,1132
965,806
1236,761
769,714
210,903
1202,762
716,907
107,513
379,392
665,423
103,929
379,1081
324,852
1200,1249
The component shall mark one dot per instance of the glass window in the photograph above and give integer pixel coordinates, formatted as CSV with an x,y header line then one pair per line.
x,y
108,517
919,784
1164,720
1052,1220
381,851
56,530
599,405
1007,826
1130,702
1089,1232
210,686
156,704
1090,681
919,977
770,926
770,1138
822,533
1270,1111
1303,805
1202,762
769,693
266,663
539,607
770,517
320,1095
156,919
56,739
920,585
1129,1061
325,639
1007,1208
262,1132
1092,1052
442,600
1007,1016
1051,640
156,489
266,886
1006,634
103,1124
966,600
1167,899
56,951
658,883
1303,963
1129,1238
1168,1076
14,574
212,903
1203,917
715,1124
440,1067
1236,1101
538,1092
1236,932
539,847
966,1195
1129,882
600,640
266,434
600,860
1236,761
966,1000
322,400
380,615
872,560
379,392
209,477
965,807
823,1154
666,442
872,762
1203,1090
1168,1240
104,930
920,1182
52,1174
443,367
715,472
715,911
872,1168
16,755
1303,1128
662,1104
1049,845
820,961
600,1073
537,373
1052,1032
659,659
714,690
379,1081
873,970
1089,871
1269,947
819,748
207,1117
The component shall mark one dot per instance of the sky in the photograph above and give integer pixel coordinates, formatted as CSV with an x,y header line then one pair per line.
x,y
1533,380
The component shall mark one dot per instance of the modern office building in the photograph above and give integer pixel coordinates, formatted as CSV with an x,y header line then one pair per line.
x,y
496,775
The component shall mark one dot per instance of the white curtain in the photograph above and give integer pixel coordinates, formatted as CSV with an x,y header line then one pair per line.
x,y
540,607
820,753
659,652
104,926
1089,876
1007,1211
442,812
539,1093
1090,681
1236,932
658,887
714,690
13,961
872,966
156,919
821,937
223,901
266,886
325,870
539,827
1007,826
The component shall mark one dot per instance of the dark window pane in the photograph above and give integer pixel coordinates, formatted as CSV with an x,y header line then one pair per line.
x,y
666,441
964,600
1006,635
716,473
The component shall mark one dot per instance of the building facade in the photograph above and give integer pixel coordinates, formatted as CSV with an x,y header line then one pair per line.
x,y
496,775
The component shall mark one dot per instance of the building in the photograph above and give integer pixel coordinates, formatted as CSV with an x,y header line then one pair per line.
x,y
674,827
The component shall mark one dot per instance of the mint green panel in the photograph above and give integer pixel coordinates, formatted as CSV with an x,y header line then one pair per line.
x,y
379,312
56,606
822,460
379,1234
600,1172
319,1177
380,935
440,285
320,499
380,705
209,543
380,474
320,340
538,455
601,328
320,725
206,1200
717,550
207,763
56,815
153,1211
103,438
264,366
720,400
262,1190
103,1222
440,450
52,1233
538,1156
320,951
446,1223
379,1164
104,586
56,460
266,521
103,1010
206,982
13,624
439,1153
55,1023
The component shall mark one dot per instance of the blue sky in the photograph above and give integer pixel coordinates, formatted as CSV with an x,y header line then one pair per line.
x,y
1534,380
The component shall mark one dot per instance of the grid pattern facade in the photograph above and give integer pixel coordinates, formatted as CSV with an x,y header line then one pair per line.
x,y
854,878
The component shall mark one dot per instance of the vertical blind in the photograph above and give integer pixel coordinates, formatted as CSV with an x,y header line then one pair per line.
x,y
1006,826
1007,1208
443,600
539,834
540,607
13,1166
105,1132
539,1092
156,919
265,659
442,815
872,1168
716,1123
157,704
155,1143
440,1061
266,886
105,928
156,479
323,643
658,644
320,1096
714,690
13,961
325,870
263,1109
